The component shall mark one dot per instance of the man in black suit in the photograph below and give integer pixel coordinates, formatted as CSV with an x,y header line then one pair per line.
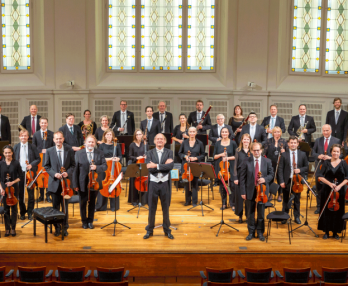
x,y
31,122
307,122
5,128
57,157
215,131
254,130
72,133
159,163
272,121
321,152
153,125
25,151
120,118
286,171
248,182
83,163
338,119
165,117
196,116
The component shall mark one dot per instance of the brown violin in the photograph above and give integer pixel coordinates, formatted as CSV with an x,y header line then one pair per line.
x,y
297,186
187,174
224,168
29,176
93,184
261,191
141,183
67,192
42,177
11,199
333,204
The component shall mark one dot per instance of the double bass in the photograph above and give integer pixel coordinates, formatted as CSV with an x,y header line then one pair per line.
x,y
141,183
11,199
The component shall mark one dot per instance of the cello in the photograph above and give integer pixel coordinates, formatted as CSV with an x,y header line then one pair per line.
x,y
187,175
261,191
11,199
93,184
141,183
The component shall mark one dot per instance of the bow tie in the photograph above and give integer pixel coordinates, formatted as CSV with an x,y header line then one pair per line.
x,y
159,151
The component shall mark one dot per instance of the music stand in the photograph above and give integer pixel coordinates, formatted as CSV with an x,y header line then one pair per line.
x,y
126,140
203,138
137,171
304,146
202,170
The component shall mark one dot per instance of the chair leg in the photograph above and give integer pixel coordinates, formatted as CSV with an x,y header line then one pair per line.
x,y
268,229
344,231
289,232
73,208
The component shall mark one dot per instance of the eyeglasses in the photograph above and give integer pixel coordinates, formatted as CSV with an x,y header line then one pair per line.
x,y
123,104
256,150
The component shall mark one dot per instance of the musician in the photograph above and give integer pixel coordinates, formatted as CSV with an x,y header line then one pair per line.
x,y
248,181
120,117
255,130
304,121
72,133
107,147
338,119
220,155
165,117
321,145
272,121
104,120
57,157
196,116
180,133
215,131
5,128
31,122
286,171
39,143
83,160
12,167
273,148
159,163
197,155
25,151
236,121
153,125
332,169
241,154
88,123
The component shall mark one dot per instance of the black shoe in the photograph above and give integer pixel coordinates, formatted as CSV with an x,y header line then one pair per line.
x,y
261,237
13,233
22,217
30,217
224,207
240,220
57,232
169,235
335,236
66,232
279,199
187,204
316,211
326,236
49,200
84,226
250,236
297,220
39,200
7,234
146,236
284,221
90,225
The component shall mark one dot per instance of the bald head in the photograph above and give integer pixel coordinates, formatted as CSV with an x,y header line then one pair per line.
x,y
160,140
326,130
33,110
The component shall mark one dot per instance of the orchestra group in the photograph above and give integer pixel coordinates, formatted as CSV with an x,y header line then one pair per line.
x,y
247,157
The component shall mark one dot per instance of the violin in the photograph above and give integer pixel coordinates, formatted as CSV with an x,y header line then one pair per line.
x,y
67,192
261,191
297,186
92,183
111,175
187,174
333,204
29,176
11,199
224,167
42,177
141,183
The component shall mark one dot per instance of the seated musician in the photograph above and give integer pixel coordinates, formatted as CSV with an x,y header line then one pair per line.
x,y
153,125
57,157
256,131
215,131
195,118
293,161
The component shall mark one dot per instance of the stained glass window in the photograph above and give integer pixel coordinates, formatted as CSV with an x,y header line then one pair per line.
x,y
336,52
200,34
306,36
161,34
15,34
121,41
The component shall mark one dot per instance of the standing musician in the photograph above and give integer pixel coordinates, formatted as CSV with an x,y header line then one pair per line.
x,y
72,133
31,122
24,151
236,121
99,134
107,147
159,163
57,157
83,160
286,170
335,168
273,120
88,123
215,131
120,118
255,130
321,145
42,146
153,125
220,155
241,154
302,125
196,116
165,117
180,133
248,182
5,128
197,155
10,167
338,120
273,147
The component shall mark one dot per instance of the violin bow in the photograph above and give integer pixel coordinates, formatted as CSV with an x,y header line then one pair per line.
x,y
327,200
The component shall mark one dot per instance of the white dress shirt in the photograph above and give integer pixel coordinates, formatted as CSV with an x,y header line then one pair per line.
x,y
24,156
291,163
199,116
271,126
61,151
219,129
159,177
252,132
123,121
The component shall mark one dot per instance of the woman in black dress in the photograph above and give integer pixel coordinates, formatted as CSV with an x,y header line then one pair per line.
x,y
104,120
91,125
13,168
273,148
197,155
242,152
108,149
180,134
220,155
137,151
236,121
331,170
